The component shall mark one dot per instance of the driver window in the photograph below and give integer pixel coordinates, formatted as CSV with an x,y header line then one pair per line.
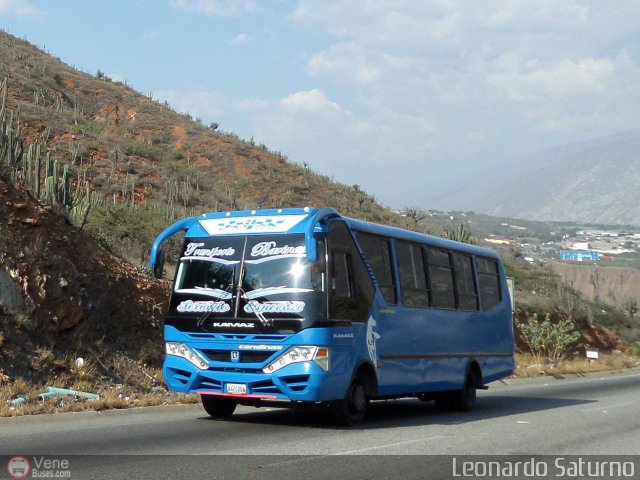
x,y
351,289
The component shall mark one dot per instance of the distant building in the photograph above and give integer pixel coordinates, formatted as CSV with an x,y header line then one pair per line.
x,y
580,255
580,246
500,240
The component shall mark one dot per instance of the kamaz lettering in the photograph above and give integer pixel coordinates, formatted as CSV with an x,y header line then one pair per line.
x,y
234,325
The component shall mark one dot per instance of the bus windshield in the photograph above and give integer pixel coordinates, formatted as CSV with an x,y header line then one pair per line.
x,y
248,277
290,274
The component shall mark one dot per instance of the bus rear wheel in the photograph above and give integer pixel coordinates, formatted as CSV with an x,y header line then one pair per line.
x,y
461,400
353,407
465,399
218,407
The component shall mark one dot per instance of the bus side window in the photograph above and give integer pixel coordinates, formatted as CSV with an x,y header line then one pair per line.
x,y
342,276
378,253
413,280
318,269
489,280
465,284
441,278
351,292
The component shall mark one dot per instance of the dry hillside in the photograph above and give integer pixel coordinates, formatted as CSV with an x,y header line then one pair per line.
x,y
133,149
613,286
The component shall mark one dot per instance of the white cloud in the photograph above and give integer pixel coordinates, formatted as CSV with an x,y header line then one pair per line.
x,y
372,152
252,105
241,39
558,123
347,60
422,58
531,81
312,101
217,8
546,13
19,8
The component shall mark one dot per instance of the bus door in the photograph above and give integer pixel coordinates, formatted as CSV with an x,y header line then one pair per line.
x,y
350,298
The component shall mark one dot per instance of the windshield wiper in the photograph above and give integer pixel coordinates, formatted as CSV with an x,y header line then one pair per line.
x,y
264,321
203,318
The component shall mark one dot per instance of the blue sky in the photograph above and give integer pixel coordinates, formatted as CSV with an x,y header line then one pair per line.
x,y
402,97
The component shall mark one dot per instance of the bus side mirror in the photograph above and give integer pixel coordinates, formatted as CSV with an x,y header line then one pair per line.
x,y
158,268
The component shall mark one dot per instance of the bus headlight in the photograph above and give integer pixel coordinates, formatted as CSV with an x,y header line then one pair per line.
x,y
181,350
320,355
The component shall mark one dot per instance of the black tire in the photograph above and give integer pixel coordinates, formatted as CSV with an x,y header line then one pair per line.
x,y
443,401
465,399
352,409
218,407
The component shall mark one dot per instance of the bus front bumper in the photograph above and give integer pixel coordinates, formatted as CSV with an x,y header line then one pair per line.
x,y
300,382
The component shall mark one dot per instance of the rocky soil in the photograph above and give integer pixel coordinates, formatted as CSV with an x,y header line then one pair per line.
x,y
64,297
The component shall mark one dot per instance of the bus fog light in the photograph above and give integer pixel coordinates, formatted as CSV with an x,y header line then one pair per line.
x,y
181,350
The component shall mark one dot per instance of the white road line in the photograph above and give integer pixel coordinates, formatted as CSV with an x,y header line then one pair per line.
x,y
304,458
388,445
609,407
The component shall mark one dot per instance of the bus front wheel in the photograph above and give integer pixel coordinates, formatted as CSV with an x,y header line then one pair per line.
x,y
352,408
218,407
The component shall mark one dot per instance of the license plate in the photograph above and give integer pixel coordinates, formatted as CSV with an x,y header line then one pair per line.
x,y
237,388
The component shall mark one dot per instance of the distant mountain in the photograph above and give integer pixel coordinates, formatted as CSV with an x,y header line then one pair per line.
x,y
592,182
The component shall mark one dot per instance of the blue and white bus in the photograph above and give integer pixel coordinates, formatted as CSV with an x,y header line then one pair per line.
x,y
304,306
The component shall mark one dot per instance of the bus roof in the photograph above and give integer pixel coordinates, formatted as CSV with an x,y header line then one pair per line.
x,y
412,236
305,221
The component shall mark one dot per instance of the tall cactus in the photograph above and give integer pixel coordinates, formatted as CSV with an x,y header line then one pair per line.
x,y
36,185
66,187
29,167
26,167
460,233
10,144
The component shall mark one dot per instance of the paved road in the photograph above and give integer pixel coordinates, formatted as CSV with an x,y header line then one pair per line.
x,y
593,415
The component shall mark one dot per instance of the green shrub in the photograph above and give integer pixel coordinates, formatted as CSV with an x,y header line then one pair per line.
x,y
547,339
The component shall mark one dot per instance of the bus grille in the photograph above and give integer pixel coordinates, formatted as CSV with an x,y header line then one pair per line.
x,y
245,357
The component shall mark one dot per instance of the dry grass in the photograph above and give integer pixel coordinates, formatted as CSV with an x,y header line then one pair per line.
x,y
112,397
83,370
43,358
140,386
528,365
